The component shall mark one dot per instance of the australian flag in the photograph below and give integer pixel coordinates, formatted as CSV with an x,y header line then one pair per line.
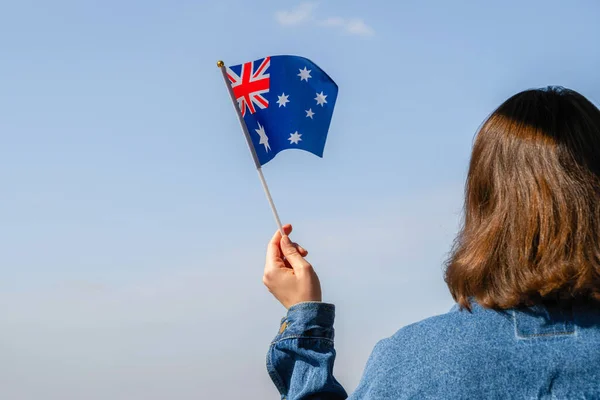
x,y
286,102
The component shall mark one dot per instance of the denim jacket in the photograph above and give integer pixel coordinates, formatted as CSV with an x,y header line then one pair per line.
x,y
542,352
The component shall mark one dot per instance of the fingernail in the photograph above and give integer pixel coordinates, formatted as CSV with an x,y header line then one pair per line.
x,y
286,239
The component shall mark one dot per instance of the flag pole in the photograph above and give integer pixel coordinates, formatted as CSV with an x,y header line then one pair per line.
x,y
223,69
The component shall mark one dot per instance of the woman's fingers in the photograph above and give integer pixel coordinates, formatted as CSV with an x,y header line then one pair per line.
x,y
273,247
275,243
303,252
287,229
275,257
292,254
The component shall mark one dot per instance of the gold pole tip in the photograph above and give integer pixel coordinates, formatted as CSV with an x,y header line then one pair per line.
x,y
220,64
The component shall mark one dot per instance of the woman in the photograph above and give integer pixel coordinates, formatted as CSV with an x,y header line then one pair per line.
x,y
524,272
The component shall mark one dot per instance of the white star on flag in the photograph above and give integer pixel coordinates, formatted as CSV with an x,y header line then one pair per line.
x,y
295,137
304,74
321,99
263,137
309,113
283,99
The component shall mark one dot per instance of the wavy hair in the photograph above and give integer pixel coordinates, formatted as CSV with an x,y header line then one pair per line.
x,y
531,228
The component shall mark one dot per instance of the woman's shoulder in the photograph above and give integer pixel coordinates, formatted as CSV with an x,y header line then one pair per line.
x,y
428,349
453,320
441,353
456,329
472,330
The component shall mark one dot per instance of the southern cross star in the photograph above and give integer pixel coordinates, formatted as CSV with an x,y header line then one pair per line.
x,y
283,99
263,137
321,99
295,137
309,113
304,74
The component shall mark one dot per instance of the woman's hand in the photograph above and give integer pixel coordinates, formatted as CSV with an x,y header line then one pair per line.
x,y
288,276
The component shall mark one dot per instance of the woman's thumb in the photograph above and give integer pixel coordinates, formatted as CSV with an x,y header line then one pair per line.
x,y
290,252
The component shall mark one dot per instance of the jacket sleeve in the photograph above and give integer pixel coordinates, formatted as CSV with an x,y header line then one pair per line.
x,y
301,357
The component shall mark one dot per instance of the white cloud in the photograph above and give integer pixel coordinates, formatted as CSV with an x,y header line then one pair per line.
x,y
353,26
304,13
357,26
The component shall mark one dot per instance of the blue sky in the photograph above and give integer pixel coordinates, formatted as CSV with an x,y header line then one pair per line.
x,y
132,223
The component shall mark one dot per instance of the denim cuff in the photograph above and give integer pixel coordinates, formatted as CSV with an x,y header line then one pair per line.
x,y
308,320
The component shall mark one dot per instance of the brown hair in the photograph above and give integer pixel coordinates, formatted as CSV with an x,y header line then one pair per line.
x,y
531,227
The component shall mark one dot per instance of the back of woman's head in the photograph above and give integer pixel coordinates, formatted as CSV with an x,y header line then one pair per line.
x,y
532,204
